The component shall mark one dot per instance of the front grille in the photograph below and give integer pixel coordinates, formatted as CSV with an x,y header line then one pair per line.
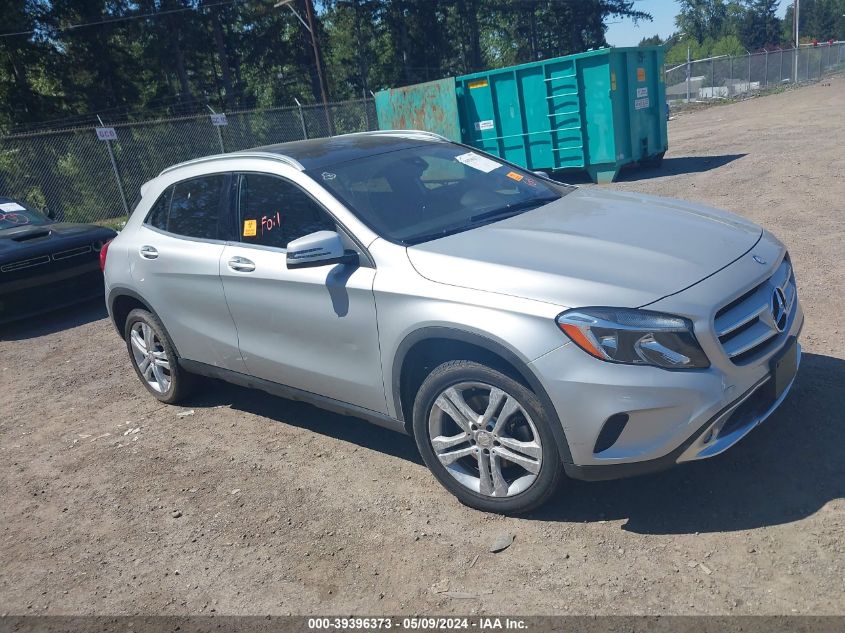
x,y
73,252
746,327
25,263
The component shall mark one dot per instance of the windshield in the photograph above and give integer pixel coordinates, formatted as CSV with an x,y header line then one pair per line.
x,y
13,214
421,193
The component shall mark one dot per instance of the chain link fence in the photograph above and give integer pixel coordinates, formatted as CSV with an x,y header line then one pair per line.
x,y
728,77
80,178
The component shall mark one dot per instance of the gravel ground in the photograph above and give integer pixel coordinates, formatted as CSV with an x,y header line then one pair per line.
x,y
244,503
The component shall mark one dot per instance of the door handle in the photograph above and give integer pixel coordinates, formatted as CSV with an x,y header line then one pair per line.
x,y
148,252
241,264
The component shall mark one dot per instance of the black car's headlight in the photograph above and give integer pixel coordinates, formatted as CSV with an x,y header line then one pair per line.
x,y
634,337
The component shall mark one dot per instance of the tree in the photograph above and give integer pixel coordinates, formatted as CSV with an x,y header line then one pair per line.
x,y
25,66
654,40
728,45
699,19
140,58
821,20
760,26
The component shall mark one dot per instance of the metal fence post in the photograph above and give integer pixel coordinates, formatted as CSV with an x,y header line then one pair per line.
x,y
767,69
301,118
219,134
689,70
731,73
115,171
749,73
780,72
712,79
820,64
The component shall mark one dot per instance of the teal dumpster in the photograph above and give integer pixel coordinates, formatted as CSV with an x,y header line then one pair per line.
x,y
596,111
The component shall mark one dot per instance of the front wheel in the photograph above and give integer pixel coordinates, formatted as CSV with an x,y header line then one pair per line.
x,y
486,438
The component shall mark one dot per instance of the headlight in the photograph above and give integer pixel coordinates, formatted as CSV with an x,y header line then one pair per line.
x,y
634,337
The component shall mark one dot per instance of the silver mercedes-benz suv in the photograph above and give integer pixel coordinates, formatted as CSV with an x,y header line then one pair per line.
x,y
517,328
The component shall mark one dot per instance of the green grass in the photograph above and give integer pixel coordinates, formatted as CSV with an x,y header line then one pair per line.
x,y
114,223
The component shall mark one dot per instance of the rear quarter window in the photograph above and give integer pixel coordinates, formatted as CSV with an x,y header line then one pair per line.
x,y
157,217
190,208
195,207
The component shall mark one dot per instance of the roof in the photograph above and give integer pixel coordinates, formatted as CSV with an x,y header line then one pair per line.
x,y
321,152
318,153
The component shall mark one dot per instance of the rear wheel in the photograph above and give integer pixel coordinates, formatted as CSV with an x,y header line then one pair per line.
x,y
154,359
486,438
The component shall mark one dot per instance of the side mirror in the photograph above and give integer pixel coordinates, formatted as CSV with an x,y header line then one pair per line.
x,y
318,249
50,213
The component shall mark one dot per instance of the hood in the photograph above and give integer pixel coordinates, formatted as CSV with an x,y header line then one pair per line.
x,y
591,247
35,239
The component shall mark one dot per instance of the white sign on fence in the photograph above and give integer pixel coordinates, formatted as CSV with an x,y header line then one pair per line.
x,y
219,120
642,92
106,133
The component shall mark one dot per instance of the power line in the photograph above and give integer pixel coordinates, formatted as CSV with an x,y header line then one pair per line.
x,y
123,18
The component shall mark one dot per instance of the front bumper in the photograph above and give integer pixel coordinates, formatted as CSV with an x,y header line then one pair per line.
x,y
717,435
672,416
50,290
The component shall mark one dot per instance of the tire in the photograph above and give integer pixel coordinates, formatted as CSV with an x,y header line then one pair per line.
x,y
456,450
164,378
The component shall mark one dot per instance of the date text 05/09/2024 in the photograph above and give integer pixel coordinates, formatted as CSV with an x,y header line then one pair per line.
x,y
418,623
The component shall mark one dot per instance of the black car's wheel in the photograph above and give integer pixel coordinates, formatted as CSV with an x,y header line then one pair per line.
x,y
154,358
486,438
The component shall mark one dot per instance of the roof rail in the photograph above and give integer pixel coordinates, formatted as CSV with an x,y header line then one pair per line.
x,y
405,133
245,154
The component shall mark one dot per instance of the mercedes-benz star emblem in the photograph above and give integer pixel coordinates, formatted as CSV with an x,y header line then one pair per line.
x,y
758,259
779,315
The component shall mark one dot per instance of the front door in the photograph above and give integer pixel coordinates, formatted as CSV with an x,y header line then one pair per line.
x,y
310,328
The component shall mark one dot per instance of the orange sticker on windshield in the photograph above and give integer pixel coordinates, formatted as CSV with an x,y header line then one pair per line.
x,y
515,176
250,228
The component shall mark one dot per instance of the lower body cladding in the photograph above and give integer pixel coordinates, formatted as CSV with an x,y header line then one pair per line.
x,y
624,420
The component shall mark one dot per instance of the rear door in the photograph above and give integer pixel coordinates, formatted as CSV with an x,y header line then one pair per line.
x,y
309,328
176,266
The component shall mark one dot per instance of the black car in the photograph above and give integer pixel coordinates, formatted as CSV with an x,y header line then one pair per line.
x,y
44,264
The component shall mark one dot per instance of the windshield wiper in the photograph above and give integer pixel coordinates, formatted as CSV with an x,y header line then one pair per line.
x,y
481,218
511,209
450,230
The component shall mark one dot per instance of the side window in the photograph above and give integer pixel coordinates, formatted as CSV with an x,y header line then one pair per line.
x,y
157,217
195,207
273,211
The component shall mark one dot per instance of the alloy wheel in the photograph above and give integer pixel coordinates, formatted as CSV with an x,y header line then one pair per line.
x,y
150,357
485,439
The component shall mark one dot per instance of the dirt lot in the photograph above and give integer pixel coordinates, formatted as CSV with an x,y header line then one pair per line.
x,y
115,504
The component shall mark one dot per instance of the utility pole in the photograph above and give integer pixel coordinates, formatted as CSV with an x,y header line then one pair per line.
x,y
309,26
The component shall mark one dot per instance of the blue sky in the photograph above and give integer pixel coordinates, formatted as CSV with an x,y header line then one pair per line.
x,y
624,33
